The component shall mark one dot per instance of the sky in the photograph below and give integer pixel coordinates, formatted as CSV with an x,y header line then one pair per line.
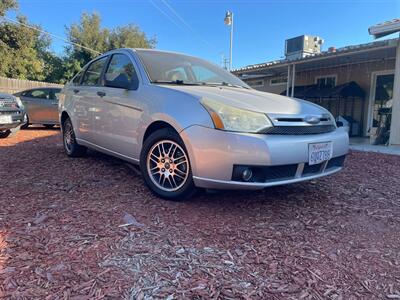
x,y
196,27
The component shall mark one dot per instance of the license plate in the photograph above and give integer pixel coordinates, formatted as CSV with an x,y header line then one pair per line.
x,y
319,152
6,119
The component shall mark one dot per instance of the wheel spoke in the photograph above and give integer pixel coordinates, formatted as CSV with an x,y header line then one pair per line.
x,y
163,182
182,162
169,181
180,176
173,180
180,157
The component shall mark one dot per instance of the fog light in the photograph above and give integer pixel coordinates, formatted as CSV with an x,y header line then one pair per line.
x,y
247,174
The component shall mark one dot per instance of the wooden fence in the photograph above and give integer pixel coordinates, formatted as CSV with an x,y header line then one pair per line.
x,y
11,86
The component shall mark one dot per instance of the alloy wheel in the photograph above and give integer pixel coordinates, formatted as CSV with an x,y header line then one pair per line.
x,y
167,165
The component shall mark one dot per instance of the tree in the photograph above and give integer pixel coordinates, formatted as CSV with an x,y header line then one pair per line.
x,y
7,5
24,51
20,49
90,34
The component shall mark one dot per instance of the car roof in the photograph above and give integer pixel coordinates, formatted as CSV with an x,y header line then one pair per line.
x,y
42,88
143,50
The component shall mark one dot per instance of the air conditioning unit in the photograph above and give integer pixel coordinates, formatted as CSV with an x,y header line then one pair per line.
x,y
302,46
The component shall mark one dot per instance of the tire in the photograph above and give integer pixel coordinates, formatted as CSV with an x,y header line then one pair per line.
x,y
48,126
167,172
5,134
26,125
71,147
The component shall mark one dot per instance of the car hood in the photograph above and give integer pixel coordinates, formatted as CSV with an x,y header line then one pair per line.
x,y
251,99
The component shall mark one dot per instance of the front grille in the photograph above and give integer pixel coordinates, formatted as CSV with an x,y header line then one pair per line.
x,y
312,169
299,130
11,112
7,103
336,162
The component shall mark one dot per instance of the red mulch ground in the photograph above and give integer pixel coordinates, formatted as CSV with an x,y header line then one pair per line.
x,y
89,228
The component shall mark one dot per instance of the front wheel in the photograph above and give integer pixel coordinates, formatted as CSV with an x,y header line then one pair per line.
x,y
71,147
165,166
4,134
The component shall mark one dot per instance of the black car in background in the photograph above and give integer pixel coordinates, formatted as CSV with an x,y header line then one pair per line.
x,y
12,114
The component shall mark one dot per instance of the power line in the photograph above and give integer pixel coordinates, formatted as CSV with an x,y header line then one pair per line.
x,y
179,17
164,13
184,21
51,34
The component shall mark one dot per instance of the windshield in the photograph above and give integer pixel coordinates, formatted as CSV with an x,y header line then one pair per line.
x,y
164,67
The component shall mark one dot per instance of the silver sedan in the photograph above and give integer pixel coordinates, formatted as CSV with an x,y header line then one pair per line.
x,y
41,106
190,124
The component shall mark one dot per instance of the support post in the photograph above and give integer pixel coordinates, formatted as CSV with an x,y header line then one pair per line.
x,y
231,43
395,123
293,79
288,81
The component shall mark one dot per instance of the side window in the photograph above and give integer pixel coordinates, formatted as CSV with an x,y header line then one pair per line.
x,y
77,79
93,72
121,66
40,94
54,94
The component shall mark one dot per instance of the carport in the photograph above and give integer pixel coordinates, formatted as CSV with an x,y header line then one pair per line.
x,y
346,100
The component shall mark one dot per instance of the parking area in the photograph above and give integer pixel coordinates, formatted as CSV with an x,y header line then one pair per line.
x,y
89,228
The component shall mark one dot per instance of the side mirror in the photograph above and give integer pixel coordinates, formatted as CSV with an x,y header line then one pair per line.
x,y
121,82
339,123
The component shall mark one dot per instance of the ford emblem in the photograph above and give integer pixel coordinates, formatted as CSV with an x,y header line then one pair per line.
x,y
312,119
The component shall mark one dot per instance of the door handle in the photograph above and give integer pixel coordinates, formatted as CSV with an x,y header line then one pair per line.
x,y
101,94
76,91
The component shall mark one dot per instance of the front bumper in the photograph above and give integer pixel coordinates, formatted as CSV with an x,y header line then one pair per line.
x,y
214,154
18,119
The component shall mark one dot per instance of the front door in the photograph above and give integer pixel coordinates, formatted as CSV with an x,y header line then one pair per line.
x,y
120,109
382,94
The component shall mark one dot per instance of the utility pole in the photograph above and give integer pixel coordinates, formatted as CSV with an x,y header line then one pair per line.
x,y
229,22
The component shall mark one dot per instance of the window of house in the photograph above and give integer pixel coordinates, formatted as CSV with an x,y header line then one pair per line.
x,y
278,80
255,83
326,81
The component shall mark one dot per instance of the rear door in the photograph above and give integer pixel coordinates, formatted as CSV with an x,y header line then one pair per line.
x,y
53,118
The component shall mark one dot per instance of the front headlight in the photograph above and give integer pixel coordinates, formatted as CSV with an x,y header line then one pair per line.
x,y
230,118
19,102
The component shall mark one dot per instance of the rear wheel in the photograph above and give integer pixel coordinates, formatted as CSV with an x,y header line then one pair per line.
x,y
71,147
165,166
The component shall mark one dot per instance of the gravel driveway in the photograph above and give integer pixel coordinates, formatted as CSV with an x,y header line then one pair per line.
x,y
89,228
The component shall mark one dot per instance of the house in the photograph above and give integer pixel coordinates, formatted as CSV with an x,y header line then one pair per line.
x,y
355,82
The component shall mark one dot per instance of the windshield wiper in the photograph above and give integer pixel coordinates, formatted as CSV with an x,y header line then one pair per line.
x,y
177,82
223,83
